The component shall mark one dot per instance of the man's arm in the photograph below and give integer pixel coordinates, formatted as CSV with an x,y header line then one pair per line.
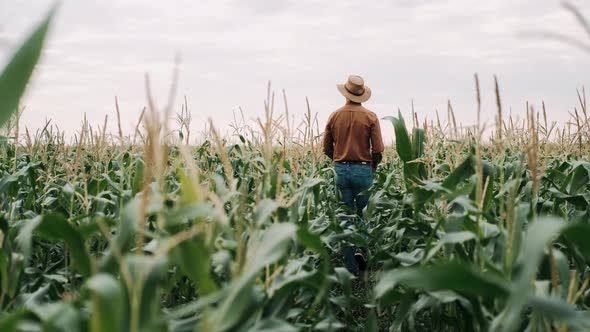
x,y
328,140
376,143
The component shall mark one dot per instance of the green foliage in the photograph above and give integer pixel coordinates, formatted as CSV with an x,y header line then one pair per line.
x,y
105,239
16,74
108,299
86,259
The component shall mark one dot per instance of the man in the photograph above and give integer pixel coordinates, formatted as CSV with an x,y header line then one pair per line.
x,y
352,139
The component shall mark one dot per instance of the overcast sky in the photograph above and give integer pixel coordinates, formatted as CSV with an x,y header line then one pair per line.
x,y
425,50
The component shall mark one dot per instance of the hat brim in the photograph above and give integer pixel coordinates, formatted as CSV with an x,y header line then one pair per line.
x,y
357,99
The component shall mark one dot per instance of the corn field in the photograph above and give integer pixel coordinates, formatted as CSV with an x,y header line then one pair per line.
x,y
467,230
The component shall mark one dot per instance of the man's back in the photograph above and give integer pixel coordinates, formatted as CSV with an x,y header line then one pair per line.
x,y
352,139
353,134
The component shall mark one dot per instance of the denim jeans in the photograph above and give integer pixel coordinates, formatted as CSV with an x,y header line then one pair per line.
x,y
351,181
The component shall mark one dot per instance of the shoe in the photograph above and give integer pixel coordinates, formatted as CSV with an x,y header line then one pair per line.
x,y
361,259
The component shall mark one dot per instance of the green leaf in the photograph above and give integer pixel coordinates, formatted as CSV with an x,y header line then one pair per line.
x,y
10,321
148,273
273,325
138,177
124,237
193,307
541,231
403,309
488,176
271,246
35,298
563,270
18,71
24,238
462,172
516,239
55,227
330,323
371,324
557,310
242,301
243,297
292,278
418,142
578,235
190,191
403,144
578,200
264,211
314,242
450,238
448,276
108,304
195,262
580,178
59,316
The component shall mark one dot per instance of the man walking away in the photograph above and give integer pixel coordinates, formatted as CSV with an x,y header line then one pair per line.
x,y
352,139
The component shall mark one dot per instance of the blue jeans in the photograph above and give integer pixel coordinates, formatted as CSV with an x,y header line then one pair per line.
x,y
351,181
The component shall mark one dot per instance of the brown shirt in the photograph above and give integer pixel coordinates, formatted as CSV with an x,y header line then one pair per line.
x,y
353,134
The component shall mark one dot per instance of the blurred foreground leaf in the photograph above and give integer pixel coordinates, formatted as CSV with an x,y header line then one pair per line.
x,y
18,71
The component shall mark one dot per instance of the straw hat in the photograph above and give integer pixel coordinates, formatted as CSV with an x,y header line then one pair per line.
x,y
355,89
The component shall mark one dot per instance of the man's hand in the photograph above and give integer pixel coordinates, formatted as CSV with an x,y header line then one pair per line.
x,y
377,157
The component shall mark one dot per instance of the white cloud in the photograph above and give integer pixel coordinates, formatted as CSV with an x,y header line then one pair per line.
x,y
426,50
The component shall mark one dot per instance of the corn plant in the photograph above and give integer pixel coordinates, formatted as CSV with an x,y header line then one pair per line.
x,y
148,233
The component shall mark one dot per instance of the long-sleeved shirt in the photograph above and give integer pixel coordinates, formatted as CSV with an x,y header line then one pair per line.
x,y
353,134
